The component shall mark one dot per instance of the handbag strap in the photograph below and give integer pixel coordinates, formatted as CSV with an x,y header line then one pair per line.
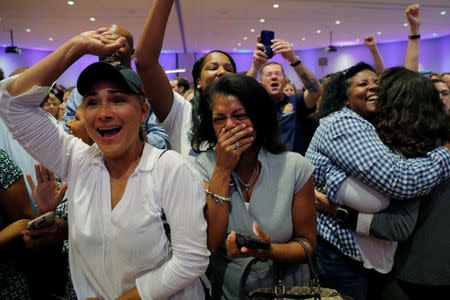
x,y
314,278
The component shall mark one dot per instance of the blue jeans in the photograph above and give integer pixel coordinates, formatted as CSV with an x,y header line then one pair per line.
x,y
340,272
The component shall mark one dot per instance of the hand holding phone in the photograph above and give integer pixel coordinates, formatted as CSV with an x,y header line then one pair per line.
x,y
243,241
42,221
266,39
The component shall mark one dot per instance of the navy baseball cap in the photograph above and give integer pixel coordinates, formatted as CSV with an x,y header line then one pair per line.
x,y
103,71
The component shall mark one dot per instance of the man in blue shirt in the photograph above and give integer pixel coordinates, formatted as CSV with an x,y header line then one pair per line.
x,y
156,134
292,111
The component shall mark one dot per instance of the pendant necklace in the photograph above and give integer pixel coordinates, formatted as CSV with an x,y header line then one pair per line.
x,y
247,186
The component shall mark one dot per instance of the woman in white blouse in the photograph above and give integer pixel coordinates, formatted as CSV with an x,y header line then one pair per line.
x,y
120,186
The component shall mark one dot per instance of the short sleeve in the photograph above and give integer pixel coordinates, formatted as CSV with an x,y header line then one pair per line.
x,y
304,169
9,171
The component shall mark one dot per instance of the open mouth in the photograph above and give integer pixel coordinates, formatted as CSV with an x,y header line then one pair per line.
x,y
373,98
109,132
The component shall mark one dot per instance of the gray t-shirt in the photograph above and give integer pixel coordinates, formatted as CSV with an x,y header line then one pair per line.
x,y
282,176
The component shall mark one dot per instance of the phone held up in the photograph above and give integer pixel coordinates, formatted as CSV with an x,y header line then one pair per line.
x,y
243,241
42,221
266,37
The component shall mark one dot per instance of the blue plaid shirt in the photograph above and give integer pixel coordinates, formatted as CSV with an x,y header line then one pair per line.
x,y
345,144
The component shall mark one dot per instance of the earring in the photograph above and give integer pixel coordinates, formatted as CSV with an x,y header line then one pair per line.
x,y
198,86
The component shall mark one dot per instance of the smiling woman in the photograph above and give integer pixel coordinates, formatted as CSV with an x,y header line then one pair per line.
x,y
120,187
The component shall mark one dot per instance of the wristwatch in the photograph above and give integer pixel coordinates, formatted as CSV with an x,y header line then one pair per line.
x,y
342,215
347,217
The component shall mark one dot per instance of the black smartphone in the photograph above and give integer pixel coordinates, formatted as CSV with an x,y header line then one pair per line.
x,y
266,37
243,241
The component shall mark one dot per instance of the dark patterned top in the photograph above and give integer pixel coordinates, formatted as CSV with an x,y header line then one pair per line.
x,y
13,284
9,171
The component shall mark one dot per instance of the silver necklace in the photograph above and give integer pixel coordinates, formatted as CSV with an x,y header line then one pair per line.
x,y
247,186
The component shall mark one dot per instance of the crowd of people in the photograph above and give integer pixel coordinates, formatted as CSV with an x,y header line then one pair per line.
x,y
152,181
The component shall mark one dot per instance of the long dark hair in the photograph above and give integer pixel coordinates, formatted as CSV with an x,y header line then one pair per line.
x,y
411,118
196,73
335,94
257,103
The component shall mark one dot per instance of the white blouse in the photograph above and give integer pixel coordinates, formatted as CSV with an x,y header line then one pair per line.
x,y
113,250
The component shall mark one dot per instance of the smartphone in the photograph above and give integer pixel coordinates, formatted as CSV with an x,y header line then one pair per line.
x,y
42,221
266,37
243,241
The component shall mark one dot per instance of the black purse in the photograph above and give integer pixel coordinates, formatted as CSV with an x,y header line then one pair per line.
x,y
312,292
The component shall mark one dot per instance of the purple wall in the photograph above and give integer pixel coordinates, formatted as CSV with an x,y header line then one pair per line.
x,y
435,56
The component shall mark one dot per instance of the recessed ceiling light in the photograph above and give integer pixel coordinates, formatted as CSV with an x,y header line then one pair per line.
x,y
244,38
292,44
379,32
303,39
338,22
239,44
92,19
443,13
262,20
318,31
434,34
50,39
3,45
252,30
357,39
405,24
28,30
234,49
70,2
276,6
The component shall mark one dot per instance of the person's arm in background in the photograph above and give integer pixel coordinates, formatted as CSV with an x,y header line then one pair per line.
x,y
156,84
14,201
310,82
259,59
369,41
412,53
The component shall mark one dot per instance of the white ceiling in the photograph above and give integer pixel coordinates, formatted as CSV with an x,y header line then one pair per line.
x,y
222,24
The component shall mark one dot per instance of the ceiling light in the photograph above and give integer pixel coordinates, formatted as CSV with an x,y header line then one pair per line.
x,y
434,34
405,24
244,38
252,30
92,19
379,32
338,22
318,31
28,30
357,39
303,39
50,39
175,71
276,6
234,49
443,13
262,20
292,44
70,2
239,44
3,45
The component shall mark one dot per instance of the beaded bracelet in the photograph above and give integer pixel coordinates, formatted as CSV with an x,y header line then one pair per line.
x,y
219,199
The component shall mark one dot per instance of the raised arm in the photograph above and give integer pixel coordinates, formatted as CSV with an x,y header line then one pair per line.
x,y
45,72
369,41
156,84
259,59
412,53
310,82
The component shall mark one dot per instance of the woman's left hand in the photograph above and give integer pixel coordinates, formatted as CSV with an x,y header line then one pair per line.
x,y
233,250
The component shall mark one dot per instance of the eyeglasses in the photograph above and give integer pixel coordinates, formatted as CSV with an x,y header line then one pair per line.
x,y
276,73
444,93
